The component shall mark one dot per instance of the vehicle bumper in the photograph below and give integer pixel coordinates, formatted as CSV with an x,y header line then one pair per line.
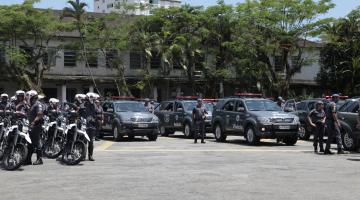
x,y
275,131
208,126
139,129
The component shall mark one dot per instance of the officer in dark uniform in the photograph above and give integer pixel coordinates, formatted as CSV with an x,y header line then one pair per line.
x,y
20,105
35,117
280,102
333,125
4,103
199,116
53,109
99,118
90,115
316,118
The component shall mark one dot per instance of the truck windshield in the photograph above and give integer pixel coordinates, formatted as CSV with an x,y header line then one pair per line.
x,y
262,105
130,107
189,106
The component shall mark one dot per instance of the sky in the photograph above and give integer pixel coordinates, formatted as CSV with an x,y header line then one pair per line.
x,y
343,7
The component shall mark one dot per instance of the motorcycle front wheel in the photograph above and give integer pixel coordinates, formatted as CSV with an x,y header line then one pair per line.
x,y
12,161
53,151
75,156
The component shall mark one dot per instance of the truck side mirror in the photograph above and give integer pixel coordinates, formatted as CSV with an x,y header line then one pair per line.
x,y
179,109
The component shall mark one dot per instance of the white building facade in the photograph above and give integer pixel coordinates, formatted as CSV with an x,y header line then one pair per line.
x,y
138,7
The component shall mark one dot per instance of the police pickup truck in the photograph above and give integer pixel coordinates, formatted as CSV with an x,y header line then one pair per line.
x,y
124,117
176,115
254,118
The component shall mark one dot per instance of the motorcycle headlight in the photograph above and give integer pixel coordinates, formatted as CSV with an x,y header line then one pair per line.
x,y
263,120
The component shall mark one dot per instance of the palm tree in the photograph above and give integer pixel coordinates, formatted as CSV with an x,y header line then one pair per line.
x,y
77,11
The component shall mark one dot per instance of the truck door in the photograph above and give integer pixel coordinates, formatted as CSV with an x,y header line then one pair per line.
x,y
229,115
178,115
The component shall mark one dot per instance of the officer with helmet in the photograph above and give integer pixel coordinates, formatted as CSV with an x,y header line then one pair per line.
x,y
317,118
35,117
4,103
53,109
99,117
90,116
333,125
20,105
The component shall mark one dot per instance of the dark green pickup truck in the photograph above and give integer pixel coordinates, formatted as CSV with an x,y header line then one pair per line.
x,y
348,116
254,118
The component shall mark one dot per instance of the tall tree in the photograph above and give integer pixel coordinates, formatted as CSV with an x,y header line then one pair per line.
x,y
340,58
277,30
25,36
77,12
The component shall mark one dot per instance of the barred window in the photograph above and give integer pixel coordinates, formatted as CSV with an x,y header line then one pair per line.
x,y
135,60
69,58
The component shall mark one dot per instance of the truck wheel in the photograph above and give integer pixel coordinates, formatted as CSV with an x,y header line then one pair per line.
x,y
187,130
303,133
348,140
219,134
290,141
152,137
251,136
116,133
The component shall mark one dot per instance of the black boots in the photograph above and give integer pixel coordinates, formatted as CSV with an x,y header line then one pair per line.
x,y
39,157
340,151
91,150
38,162
328,152
91,158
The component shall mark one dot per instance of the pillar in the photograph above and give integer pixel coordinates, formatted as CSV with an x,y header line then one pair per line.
x,y
63,93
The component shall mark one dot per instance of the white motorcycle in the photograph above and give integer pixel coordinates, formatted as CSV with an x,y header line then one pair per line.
x,y
16,140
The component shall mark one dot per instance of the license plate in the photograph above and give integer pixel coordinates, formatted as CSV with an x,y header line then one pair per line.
x,y
143,125
284,127
177,124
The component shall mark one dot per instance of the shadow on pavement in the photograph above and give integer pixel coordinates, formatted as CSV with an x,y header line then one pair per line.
x,y
126,139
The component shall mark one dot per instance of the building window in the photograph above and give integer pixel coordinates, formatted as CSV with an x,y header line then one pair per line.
x,y
110,5
69,58
279,67
111,58
93,58
295,61
49,57
155,62
135,60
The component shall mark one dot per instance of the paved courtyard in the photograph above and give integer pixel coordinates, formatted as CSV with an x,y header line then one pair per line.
x,y
175,168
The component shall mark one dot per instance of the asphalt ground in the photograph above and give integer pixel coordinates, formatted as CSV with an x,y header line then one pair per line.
x,y
175,168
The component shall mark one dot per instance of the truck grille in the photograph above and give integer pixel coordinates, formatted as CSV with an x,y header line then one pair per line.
x,y
282,120
141,119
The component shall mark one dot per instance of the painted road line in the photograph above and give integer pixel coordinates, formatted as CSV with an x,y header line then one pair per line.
x,y
103,146
207,150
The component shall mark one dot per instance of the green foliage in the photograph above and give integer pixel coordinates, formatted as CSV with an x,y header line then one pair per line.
x,y
340,58
25,33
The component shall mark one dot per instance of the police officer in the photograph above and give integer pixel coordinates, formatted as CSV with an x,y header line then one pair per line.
x,y
280,102
333,125
316,118
90,115
149,106
4,103
35,117
20,105
99,118
199,116
53,109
